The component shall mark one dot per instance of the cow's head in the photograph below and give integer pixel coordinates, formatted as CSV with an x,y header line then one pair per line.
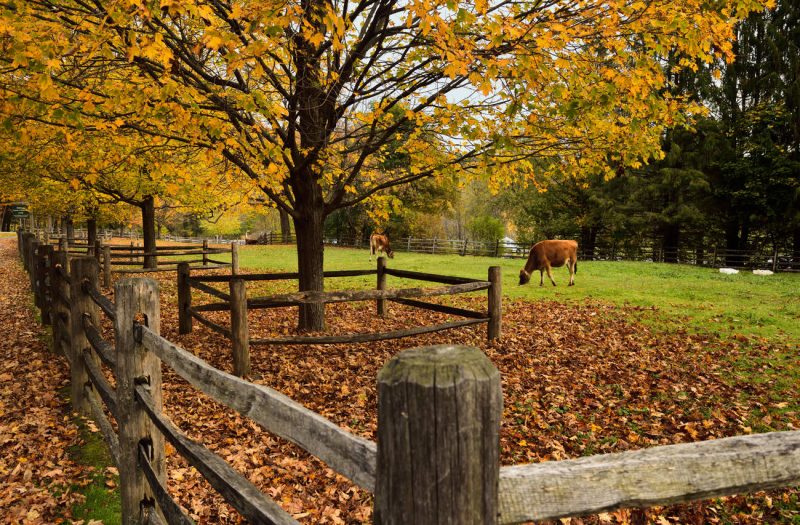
x,y
524,277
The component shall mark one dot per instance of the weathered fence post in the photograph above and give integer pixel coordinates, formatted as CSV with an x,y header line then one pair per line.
x,y
184,299
495,303
43,275
81,269
408,244
234,258
434,466
106,266
136,301
239,329
380,304
58,291
33,271
205,252
98,249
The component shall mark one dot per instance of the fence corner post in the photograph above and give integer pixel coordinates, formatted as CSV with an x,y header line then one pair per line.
x,y
234,258
381,303
136,301
495,303
82,269
239,329
184,299
434,466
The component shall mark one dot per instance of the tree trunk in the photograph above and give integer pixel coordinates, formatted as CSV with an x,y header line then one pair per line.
x,y
309,230
149,231
70,228
91,231
286,229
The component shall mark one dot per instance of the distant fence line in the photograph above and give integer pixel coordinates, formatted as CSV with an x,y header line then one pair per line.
x,y
437,456
778,260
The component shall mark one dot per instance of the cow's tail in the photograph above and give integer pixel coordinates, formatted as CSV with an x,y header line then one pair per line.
x,y
575,265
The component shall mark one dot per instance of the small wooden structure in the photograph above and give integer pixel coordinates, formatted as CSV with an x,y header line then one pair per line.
x,y
236,301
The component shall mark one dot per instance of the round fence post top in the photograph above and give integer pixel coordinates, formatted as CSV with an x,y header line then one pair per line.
x,y
436,357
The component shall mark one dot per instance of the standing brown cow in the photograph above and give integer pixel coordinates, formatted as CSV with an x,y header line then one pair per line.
x,y
380,242
547,254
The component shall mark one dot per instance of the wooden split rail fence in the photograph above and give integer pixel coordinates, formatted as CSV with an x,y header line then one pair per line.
x,y
235,301
133,259
439,409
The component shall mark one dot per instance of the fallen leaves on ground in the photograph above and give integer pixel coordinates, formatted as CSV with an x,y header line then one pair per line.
x,y
577,380
36,428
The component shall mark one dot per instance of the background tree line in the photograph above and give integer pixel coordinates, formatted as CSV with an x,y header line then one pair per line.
x,y
732,181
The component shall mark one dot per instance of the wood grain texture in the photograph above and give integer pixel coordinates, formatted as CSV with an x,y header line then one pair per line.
x,y
136,299
235,488
82,268
184,299
240,335
495,303
439,410
655,476
347,454
364,338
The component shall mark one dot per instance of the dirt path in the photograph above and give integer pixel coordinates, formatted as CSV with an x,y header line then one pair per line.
x,y
36,427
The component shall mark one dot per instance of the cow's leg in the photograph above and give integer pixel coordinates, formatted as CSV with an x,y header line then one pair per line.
x,y
541,277
571,266
550,274
371,251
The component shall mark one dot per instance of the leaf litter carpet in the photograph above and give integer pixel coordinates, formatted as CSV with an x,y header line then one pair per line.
x,y
577,380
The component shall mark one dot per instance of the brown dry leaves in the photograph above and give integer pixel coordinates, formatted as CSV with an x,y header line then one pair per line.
x,y
35,426
577,380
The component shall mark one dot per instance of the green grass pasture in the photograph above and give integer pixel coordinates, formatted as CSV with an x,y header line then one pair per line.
x,y
700,298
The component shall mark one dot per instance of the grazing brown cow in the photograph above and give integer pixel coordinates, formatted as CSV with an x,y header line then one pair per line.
x,y
547,254
380,243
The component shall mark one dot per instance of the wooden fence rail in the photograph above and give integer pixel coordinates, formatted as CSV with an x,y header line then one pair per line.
x,y
238,304
439,408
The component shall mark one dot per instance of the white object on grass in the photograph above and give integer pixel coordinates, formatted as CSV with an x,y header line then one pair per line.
x,y
728,271
762,272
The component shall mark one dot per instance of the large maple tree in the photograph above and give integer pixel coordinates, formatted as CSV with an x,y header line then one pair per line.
x,y
302,95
